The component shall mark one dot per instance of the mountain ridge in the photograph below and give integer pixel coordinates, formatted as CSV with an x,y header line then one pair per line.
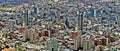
x,y
14,2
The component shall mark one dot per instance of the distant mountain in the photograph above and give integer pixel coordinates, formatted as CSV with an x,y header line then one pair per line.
x,y
14,2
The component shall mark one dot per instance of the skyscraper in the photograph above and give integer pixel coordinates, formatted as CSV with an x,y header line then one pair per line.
x,y
55,44
35,10
118,19
67,22
10,25
93,12
49,46
80,21
25,34
76,43
25,15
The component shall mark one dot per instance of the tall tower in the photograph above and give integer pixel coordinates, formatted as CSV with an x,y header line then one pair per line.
x,y
10,24
76,43
35,10
26,15
118,19
26,21
67,23
49,45
55,44
80,21
32,35
93,12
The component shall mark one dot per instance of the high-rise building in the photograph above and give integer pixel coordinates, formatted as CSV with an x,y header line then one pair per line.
x,y
55,44
76,43
32,35
35,10
26,15
80,21
93,12
10,25
25,34
67,22
87,44
49,45
118,19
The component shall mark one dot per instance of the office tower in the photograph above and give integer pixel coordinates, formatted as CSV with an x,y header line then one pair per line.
x,y
24,35
49,34
80,21
49,45
58,12
53,13
67,22
81,42
93,12
0,16
77,42
87,44
32,35
75,45
55,44
118,19
10,25
25,16
35,10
